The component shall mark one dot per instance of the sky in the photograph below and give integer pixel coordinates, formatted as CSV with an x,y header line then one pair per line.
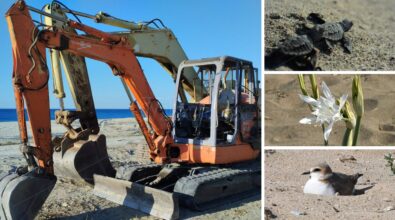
x,y
204,28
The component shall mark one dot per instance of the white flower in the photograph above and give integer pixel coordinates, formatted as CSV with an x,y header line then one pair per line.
x,y
325,110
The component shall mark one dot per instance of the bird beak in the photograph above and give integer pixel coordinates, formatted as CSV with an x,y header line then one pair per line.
x,y
306,173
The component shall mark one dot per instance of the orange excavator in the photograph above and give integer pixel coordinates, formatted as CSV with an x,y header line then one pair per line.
x,y
208,150
81,151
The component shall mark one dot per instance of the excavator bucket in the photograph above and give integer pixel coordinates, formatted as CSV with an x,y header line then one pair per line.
x,y
82,159
23,195
149,200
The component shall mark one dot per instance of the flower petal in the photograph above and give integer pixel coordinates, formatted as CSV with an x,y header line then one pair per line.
x,y
308,120
328,130
342,101
325,90
337,117
308,100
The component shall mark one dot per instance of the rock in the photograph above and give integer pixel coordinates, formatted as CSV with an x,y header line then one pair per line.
x,y
269,214
298,213
336,208
64,204
347,158
389,208
274,16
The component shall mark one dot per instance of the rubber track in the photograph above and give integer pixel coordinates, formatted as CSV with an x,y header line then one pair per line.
x,y
187,187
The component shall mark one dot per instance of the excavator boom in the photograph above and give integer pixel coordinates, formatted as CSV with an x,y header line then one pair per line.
x,y
206,151
158,43
23,191
30,78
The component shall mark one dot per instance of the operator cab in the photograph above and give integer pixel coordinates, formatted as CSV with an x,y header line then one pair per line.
x,y
224,105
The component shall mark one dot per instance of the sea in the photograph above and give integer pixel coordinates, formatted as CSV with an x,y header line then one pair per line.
x,y
7,115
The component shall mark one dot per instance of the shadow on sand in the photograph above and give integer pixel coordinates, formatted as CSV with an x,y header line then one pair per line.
x,y
123,212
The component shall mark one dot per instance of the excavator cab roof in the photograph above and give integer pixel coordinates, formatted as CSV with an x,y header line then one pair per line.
x,y
212,60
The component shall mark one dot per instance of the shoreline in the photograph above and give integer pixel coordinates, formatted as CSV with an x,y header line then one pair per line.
x,y
9,131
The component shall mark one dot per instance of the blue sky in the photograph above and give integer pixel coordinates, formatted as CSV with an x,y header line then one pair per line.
x,y
204,28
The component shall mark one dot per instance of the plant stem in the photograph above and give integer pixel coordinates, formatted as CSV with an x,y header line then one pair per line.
x,y
348,137
302,84
357,128
314,87
326,143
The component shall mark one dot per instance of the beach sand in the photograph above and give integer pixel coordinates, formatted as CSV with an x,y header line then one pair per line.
x,y
284,185
372,35
284,109
75,200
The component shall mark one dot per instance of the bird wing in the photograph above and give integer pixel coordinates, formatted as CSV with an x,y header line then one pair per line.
x,y
342,183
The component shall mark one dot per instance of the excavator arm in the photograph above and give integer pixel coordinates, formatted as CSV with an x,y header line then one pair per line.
x,y
158,43
30,77
112,49
22,193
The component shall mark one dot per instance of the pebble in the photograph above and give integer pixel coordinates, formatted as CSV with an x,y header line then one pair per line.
x,y
64,204
298,213
274,16
347,158
269,214
389,208
336,208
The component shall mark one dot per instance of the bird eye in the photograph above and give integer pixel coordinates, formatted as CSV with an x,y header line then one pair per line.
x,y
316,170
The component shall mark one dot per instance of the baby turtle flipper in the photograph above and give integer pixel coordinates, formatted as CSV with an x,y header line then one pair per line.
x,y
328,46
347,44
311,62
275,59
316,18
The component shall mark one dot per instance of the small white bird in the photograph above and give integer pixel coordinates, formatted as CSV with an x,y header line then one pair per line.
x,y
325,182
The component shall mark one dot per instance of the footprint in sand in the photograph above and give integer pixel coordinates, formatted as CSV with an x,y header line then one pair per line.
x,y
387,139
371,104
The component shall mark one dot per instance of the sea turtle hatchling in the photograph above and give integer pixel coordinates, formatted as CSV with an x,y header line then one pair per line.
x,y
297,52
332,32
296,46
